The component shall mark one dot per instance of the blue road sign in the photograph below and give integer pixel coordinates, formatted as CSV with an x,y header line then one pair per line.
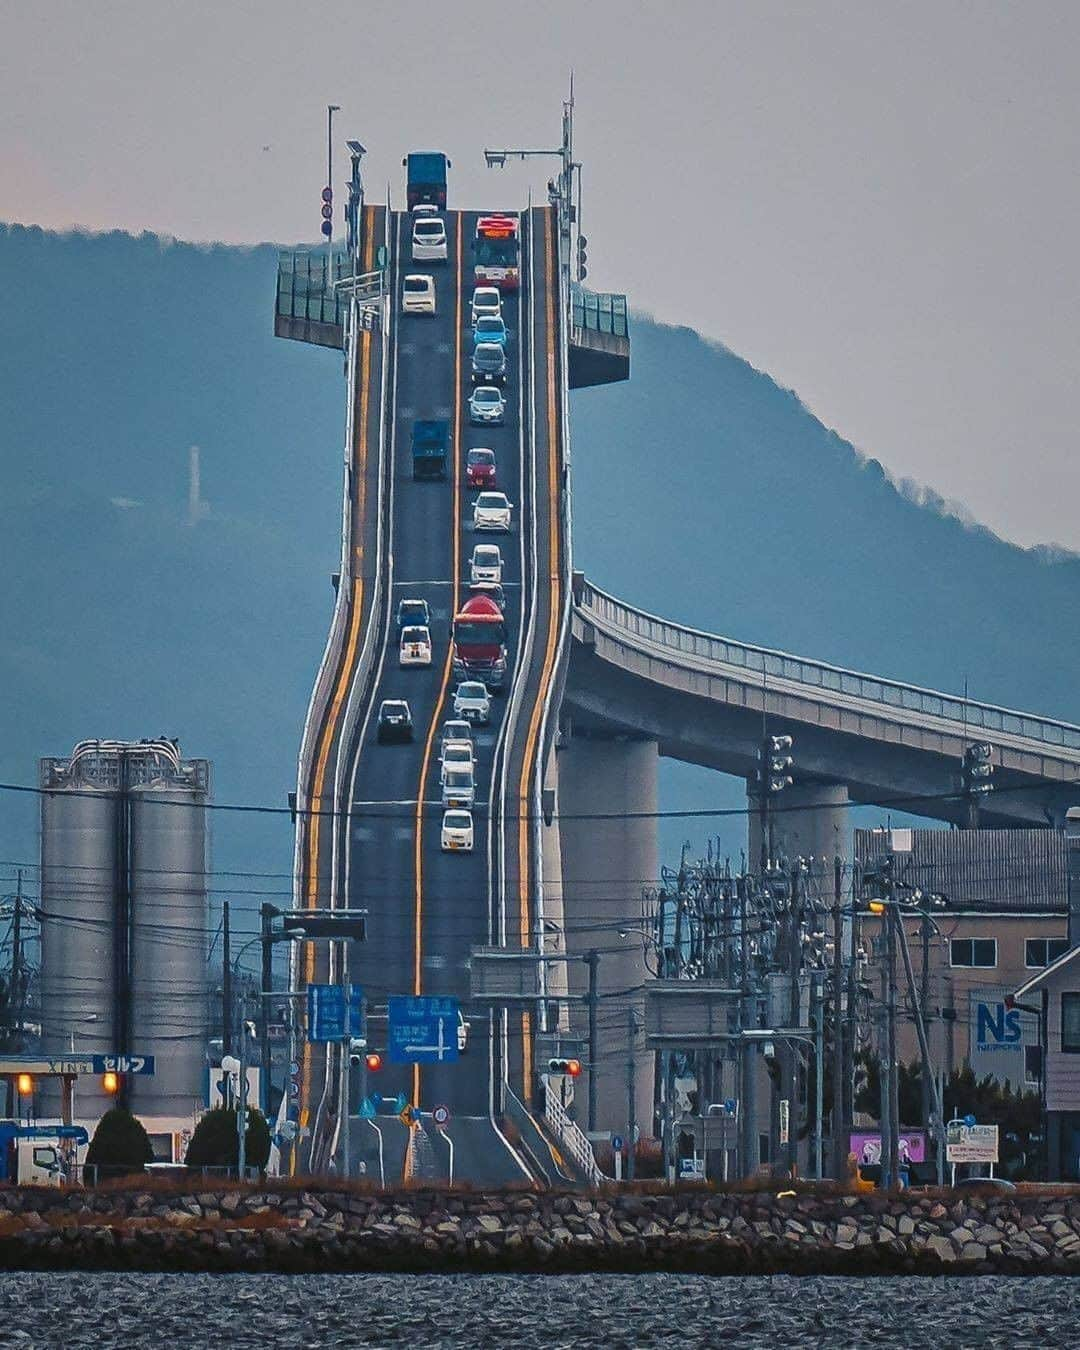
x,y
367,1109
400,1102
123,1063
335,1011
423,1030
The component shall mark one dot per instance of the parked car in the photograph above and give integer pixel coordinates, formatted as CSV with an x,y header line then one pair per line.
x,y
485,563
418,294
395,721
457,837
491,511
487,406
415,647
472,701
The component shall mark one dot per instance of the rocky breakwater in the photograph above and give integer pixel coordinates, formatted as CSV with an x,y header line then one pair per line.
x,y
290,1229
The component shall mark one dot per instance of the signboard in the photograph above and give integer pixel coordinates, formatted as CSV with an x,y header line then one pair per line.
x,y
785,1120
997,1035
335,1012
224,1086
422,1030
866,1145
123,1063
971,1143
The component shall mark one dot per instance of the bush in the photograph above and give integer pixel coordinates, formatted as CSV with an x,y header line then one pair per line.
x,y
215,1143
120,1143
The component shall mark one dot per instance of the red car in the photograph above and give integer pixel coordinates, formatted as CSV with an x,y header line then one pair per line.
x,y
480,468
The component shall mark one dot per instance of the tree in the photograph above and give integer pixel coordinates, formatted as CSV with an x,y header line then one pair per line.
x,y
215,1142
120,1143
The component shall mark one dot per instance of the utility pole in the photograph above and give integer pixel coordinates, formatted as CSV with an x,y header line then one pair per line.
x,y
884,1072
747,1113
241,1105
631,1091
16,987
839,1142
894,1068
924,1004
791,1055
592,960
266,915
226,982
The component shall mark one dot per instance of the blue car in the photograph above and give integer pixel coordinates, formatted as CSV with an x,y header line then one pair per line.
x,y
490,328
413,613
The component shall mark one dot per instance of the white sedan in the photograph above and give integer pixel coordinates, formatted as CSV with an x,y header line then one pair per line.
x,y
485,563
491,511
457,833
472,701
415,649
418,295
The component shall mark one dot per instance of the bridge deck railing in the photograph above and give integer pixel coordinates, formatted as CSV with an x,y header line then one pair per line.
x,y
977,717
569,1133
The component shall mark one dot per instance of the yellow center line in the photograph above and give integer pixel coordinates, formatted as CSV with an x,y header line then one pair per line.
x,y
455,532
344,674
531,745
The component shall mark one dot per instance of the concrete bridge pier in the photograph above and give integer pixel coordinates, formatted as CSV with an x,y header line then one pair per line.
x,y
606,864
807,820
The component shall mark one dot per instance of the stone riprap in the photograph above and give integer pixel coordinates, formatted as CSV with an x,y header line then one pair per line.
x,y
289,1229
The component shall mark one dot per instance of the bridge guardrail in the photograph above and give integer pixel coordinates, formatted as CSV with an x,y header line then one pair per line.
x,y
977,717
599,311
572,1138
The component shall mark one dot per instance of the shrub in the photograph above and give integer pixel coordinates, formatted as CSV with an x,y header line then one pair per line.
x,y
120,1143
215,1143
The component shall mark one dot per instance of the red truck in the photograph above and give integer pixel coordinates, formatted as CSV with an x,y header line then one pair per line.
x,y
479,642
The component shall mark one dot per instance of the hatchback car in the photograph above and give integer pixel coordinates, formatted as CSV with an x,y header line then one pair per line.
x,y
491,589
487,406
413,612
486,302
456,731
490,328
418,295
415,649
488,364
472,701
429,240
456,753
422,209
480,468
485,563
491,511
458,787
457,834
395,721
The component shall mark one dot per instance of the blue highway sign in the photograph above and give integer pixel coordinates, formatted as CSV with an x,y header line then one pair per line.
x,y
334,1011
423,1030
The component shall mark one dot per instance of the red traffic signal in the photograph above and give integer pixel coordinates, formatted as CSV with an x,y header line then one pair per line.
x,y
373,1062
567,1066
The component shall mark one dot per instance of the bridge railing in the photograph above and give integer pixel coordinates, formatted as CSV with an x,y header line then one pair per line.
x,y
976,717
600,311
572,1138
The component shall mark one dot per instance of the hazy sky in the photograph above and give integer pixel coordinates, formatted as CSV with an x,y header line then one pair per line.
x,y
879,204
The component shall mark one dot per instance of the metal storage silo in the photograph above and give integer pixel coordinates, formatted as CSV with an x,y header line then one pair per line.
x,y
168,948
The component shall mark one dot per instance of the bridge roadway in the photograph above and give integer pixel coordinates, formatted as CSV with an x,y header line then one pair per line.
x,y
373,839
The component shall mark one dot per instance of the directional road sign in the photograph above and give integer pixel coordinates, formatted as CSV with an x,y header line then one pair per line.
x,y
335,1012
123,1064
423,1030
406,1116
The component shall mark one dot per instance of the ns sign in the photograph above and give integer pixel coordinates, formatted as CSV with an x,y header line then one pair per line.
x,y
997,1026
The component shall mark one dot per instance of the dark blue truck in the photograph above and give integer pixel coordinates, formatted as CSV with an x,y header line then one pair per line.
x,y
429,446
426,178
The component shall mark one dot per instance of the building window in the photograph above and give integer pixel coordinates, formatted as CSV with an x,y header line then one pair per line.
x,y
1040,952
1070,1023
1033,1065
980,952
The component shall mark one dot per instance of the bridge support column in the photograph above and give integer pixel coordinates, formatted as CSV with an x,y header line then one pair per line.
x,y
808,820
606,864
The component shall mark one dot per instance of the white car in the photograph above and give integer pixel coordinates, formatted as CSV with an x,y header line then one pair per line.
x,y
487,404
457,837
462,1033
486,300
418,294
422,209
415,649
455,731
472,701
455,753
458,788
428,240
485,563
491,511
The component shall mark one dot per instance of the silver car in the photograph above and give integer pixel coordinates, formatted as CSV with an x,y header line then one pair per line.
x,y
472,701
487,406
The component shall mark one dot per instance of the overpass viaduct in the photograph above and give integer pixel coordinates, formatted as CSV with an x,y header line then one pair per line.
x,y
565,841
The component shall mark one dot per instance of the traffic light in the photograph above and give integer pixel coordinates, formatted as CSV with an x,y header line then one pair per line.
x,y
571,1067
373,1062
328,211
978,769
776,763
582,257
25,1084
110,1082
